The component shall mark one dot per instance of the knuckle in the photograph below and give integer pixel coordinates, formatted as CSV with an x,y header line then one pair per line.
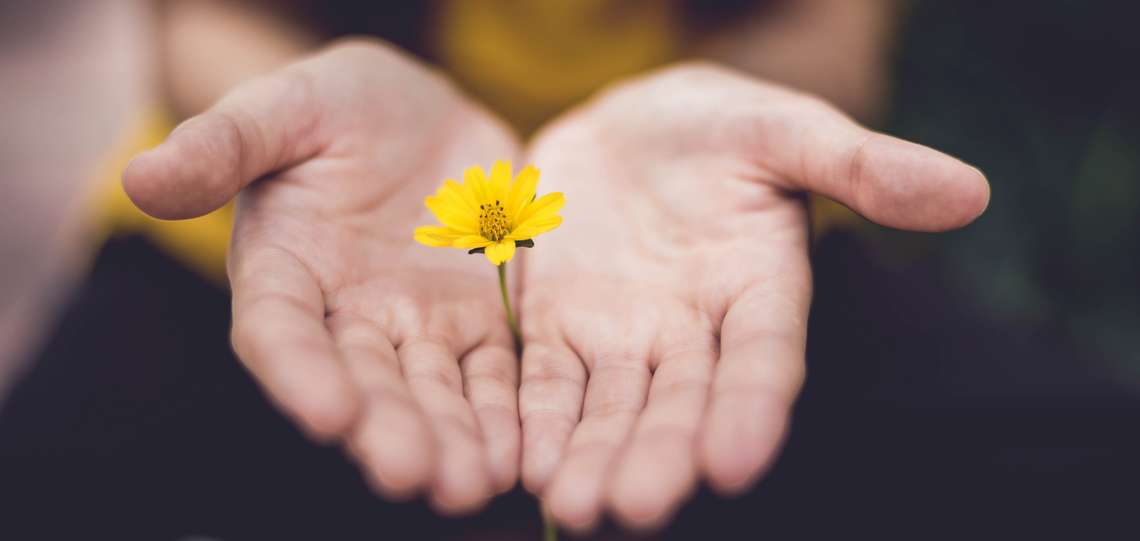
x,y
241,339
857,169
365,47
695,71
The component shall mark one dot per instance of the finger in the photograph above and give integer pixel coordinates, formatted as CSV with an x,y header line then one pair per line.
x,y
280,336
615,395
758,375
462,481
658,468
261,126
490,381
392,441
893,182
550,403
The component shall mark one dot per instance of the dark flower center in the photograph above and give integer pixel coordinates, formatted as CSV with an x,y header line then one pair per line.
x,y
493,223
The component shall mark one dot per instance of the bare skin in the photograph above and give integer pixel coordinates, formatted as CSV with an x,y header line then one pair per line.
x,y
663,326
665,323
361,335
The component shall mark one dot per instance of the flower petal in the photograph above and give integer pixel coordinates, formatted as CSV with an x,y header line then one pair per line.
x,y
435,236
501,252
542,208
454,191
522,192
534,228
471,241
476,181
452,213
500,181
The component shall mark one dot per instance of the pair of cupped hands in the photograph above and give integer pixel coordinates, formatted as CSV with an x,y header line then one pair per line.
x,y
663,324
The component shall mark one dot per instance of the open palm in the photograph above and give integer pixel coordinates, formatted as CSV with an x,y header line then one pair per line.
x,y
665,323
663,326
365,337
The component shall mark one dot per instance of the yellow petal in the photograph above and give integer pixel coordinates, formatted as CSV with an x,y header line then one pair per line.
x,y
453,191
542,208
500,181
522,192
452,214
501,252
471,241
476,181
435,236
534,228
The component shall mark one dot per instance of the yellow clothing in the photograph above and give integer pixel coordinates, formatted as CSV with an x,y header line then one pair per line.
x,y
199,243
530,59
527,59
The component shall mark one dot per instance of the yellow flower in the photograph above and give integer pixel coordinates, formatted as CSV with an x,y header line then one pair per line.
x,y
491,215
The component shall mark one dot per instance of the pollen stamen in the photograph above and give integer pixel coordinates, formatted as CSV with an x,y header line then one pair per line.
x,y
493,223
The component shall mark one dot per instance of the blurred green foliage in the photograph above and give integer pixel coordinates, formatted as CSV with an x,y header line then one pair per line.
x,y
1045,98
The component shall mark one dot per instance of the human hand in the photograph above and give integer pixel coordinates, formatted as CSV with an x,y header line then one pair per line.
x,y
665,324
363,337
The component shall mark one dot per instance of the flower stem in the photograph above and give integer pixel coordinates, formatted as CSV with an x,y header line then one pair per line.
x,y
549,529
507,304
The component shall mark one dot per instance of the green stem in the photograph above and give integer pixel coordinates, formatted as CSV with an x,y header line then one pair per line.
x,y
507,304
549,529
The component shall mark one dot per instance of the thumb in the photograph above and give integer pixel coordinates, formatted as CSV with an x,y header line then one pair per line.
x,y
890,181
261,126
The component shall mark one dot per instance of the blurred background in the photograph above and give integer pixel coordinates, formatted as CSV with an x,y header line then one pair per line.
x,y
984,382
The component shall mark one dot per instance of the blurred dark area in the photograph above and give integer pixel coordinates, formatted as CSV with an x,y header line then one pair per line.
x,y
983,383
